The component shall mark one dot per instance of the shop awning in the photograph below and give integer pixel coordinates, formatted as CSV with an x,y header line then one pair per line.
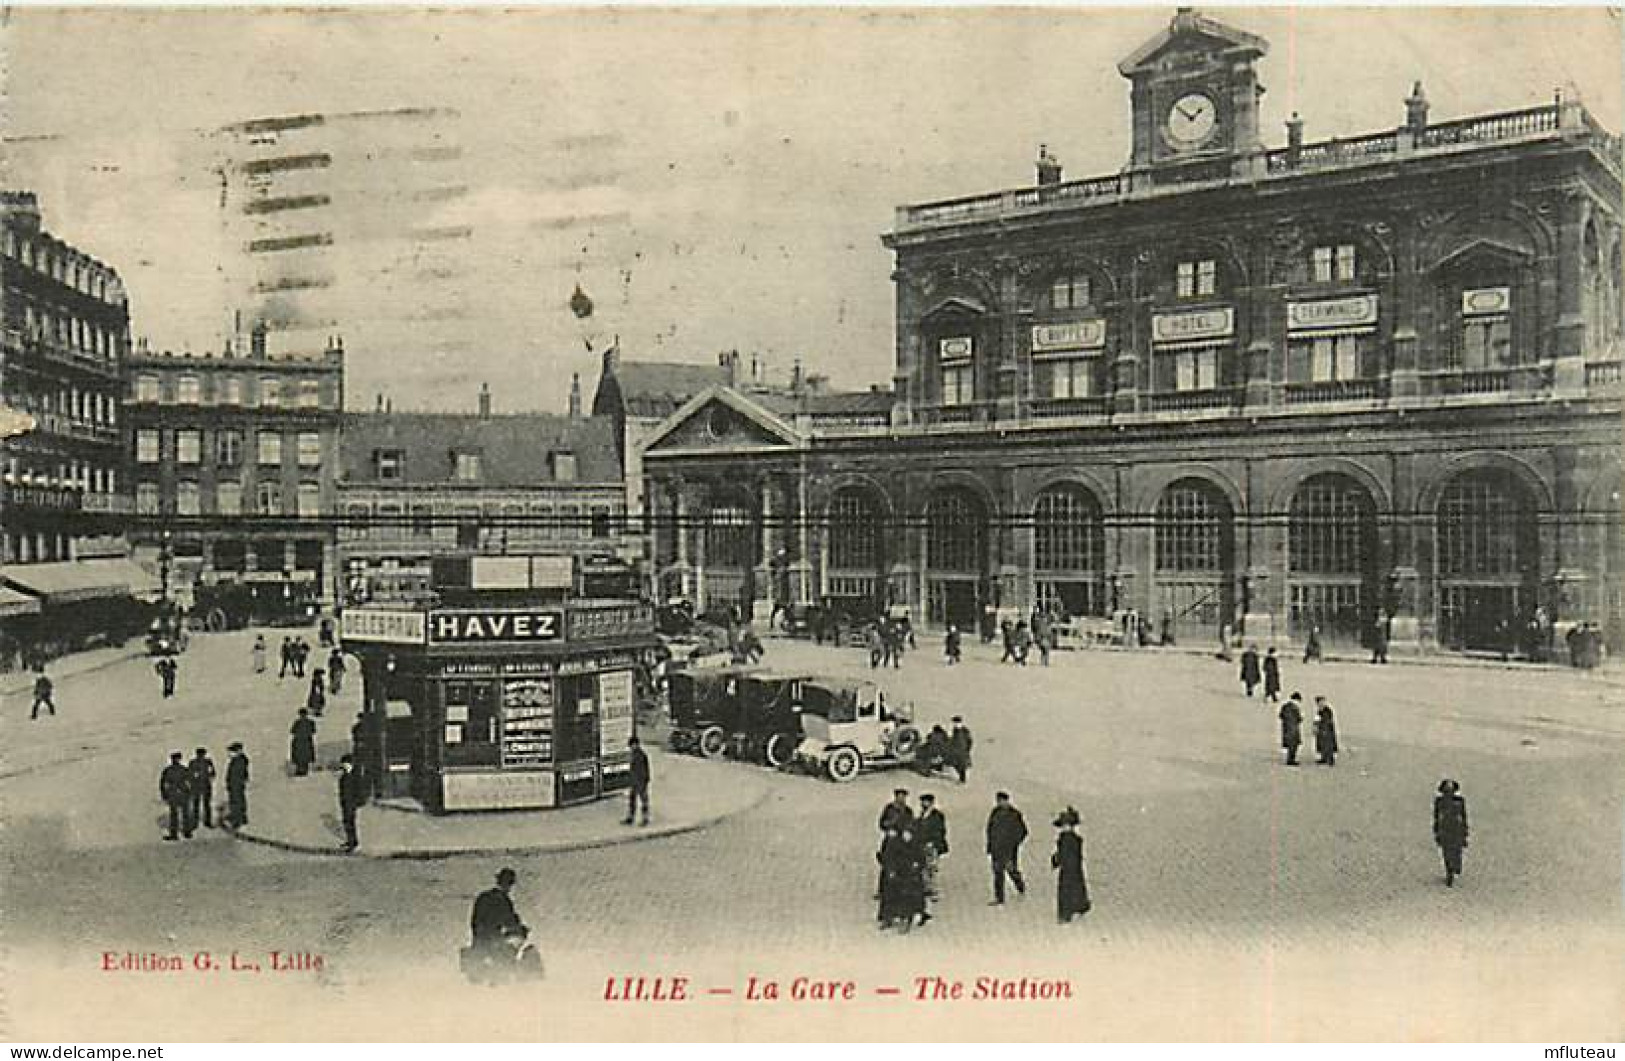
x,y
142,584
14,603
64,582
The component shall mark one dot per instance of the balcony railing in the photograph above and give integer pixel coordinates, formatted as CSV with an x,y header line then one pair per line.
x,y
57,424
1046,408
117,504
1485,129
1604,374
1216,398
1480,380
963,413
61,353
1333,390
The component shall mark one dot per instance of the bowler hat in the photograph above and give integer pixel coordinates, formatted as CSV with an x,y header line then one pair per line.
x,y
1067,817
235,746
1449,787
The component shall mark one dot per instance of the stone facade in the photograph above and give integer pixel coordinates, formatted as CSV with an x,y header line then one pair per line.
x,y
1367,382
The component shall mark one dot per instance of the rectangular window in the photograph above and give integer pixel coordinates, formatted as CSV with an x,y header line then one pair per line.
x,y
187,390
231,391
310,449
188,446
146,388
270,392
1188,370
471,723
1486,342
228,447
564,467
1345,262
956,385
229,498
270,448
146,446
389,463
310,500
146,499
1069,292
310,394
1197,279
268,498
1331,264
1071,378
468,467
186,498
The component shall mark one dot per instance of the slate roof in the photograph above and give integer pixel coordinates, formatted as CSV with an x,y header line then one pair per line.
x,y
515,449
659,388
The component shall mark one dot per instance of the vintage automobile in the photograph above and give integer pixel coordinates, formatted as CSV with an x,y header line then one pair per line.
x,y
166,635
704,708
849,727
768,727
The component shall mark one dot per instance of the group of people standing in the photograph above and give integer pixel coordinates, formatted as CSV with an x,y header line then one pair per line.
x,y
187,790
886,639
1267,670
913,845
944,749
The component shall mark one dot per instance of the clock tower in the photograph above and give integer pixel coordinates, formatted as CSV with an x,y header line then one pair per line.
x,y
1195,98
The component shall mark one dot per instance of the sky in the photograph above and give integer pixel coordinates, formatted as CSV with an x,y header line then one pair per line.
x,y
742,163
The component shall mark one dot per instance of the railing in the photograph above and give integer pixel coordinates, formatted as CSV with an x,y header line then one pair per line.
x,y
852,422
1217,398
965,413
1477,381
63,354
1333,390
1044,408
119,504
1603,373
57,424
1492,127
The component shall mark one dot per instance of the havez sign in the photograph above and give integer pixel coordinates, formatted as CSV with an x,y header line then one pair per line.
x,y
488,625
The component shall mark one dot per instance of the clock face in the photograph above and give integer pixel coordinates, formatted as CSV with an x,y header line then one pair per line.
x,y
1191,120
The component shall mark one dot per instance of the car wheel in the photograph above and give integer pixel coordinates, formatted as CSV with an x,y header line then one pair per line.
x,y
844,764
713,742
905,741
781,749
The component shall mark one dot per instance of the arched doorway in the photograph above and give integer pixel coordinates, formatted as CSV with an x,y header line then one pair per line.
x,y
1487,561
731,541
955,558
1196,558
855,551
1069,552
1332,572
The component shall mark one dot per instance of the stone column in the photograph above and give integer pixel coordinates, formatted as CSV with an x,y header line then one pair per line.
x,y
1133,340
1259,302
1007,387
1568,337
1258,590
767,544
799,532
1401,292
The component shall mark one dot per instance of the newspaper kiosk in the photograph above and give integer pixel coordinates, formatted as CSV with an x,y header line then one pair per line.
x,y
500,698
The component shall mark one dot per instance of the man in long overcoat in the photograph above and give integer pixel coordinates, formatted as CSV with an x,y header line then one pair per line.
x,y
960,742
1292,727
175,789
1325,733
1272,676
931,830
201,769
1249,668
1006,829
352,794
237,787
302,744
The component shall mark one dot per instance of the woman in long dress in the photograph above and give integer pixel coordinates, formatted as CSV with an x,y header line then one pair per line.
x,y
1450,828
1072,890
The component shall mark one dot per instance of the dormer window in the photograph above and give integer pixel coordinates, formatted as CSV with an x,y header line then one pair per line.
x,y
390,464
564,467
1333,264
467,467
1069,292
1197,279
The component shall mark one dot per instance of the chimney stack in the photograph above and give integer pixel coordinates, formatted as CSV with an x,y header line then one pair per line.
x,y
485,401
729,360
1416,110
575,396
257,340
1294,138
1049,167
612,357
378,406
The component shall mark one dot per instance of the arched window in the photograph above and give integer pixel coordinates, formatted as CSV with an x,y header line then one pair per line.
x,y
1329,528
1483,526
1193,529
1069,546
854,531
956,533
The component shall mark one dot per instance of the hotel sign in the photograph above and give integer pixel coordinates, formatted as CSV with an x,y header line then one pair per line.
x,y
381,626
1193,325
1077,335
1353,312
493,625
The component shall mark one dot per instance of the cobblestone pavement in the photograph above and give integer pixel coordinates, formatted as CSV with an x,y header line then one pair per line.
x,y
1235,898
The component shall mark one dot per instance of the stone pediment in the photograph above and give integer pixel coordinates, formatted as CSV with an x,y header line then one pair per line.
x,y
722,419
1192,36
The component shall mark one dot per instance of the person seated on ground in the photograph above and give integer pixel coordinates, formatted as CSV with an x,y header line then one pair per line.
x,y
934,753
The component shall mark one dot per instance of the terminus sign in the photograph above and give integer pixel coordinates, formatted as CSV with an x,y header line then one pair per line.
x,y
486,625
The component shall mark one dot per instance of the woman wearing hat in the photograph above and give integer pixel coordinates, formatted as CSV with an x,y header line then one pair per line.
x,y
1450,828
1072,890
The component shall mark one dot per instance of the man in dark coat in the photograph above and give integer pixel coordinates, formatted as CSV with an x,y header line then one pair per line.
x,y
896,816
335,671
951,646
1272,676
639,792
175,789
287,657
237,787
931,830
201,769
959,745
893,857
1379,642
302,746
1249,668
1325,733
1292,727
316,698
1006,829
1450,828
167,668
1072,889
42,695
351,796
495,921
